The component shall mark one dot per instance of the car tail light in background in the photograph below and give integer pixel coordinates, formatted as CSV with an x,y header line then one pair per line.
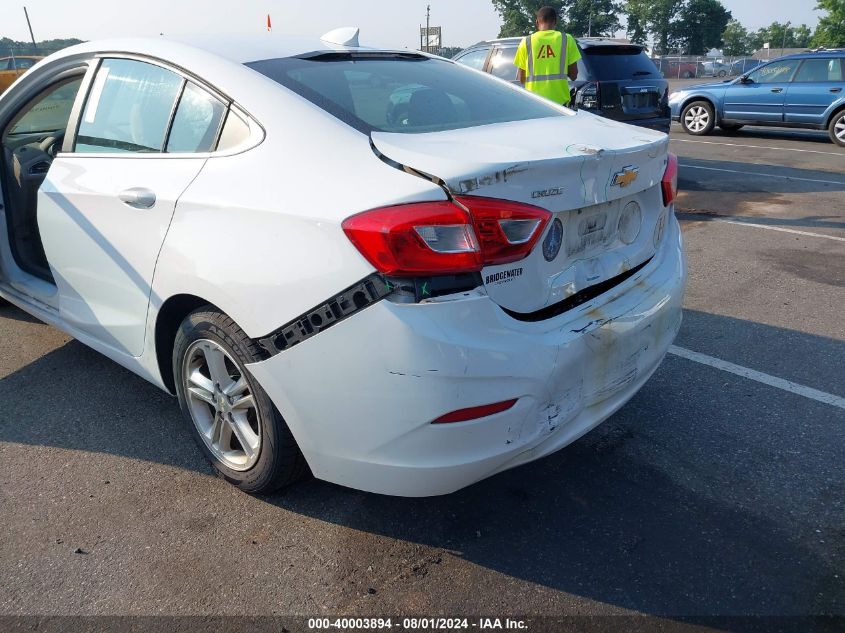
x,y
473,413
441,238
588,96
670,180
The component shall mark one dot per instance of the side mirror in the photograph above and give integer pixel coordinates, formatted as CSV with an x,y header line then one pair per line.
x,y
745,80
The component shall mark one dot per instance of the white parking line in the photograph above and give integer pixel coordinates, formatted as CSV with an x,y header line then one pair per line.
x,y
766,379
782,229
779,149
757,173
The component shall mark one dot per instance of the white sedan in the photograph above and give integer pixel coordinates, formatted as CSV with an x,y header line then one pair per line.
x,y
397,272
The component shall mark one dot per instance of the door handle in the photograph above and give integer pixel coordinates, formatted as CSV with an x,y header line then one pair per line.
x,y
836,89
138,198
777,89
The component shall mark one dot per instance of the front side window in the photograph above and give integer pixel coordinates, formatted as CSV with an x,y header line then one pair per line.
x,y
776,72
197,121
502,64
414,94
474,59
24,63
50,111
813,70
128,108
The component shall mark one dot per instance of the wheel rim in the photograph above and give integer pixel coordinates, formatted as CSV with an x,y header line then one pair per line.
x,y
839,129
697,118
222,405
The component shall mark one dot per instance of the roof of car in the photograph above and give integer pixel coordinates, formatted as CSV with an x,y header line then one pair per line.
x,y
584,42
236,48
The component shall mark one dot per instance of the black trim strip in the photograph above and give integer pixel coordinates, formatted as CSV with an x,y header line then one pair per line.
x,y
579,298
342,306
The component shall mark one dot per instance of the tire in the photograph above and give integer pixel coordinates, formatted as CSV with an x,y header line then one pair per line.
x,y
687,75
209,355
731,127
837,128
722,73
698,118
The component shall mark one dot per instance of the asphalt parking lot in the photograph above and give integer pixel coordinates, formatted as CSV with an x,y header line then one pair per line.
x,y
719,490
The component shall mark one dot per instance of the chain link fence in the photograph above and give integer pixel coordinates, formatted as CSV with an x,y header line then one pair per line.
x,y
691,67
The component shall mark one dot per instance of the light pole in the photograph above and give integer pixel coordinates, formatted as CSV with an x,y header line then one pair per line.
x,y
783,42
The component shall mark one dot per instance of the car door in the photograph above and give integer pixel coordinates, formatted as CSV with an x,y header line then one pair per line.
x,y
816,86
106,204
760,96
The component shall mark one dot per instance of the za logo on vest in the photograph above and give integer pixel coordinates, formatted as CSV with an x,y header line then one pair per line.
x,y
546,52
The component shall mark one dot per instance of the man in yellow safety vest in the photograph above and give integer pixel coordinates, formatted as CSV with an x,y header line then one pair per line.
x,y
543,64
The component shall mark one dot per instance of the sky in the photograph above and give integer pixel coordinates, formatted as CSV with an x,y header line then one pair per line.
x,y
393,23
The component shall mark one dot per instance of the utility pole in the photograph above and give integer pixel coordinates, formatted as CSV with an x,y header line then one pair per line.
x,y
29,24
783,43
428,29
590,24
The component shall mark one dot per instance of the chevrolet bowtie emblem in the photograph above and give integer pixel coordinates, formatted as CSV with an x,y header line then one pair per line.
x,y
626,176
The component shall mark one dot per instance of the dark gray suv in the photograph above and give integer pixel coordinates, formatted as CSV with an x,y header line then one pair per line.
x,y
615,80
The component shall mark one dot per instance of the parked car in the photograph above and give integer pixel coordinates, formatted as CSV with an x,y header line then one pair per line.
x,y
13,67
806,90
404,306
714,68
744,65
674,69
615,80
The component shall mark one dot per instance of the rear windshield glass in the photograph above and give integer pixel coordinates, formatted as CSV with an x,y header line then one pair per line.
x,y
402,94
619,62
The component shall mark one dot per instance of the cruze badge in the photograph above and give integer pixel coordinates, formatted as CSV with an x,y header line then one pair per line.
x,y
626,176
545,193
553,241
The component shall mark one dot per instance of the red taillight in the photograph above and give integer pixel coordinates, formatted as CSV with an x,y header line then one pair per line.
x,y
473,413
670,180
439,238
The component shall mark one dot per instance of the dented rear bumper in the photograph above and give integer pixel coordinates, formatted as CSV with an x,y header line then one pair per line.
x,y
360,397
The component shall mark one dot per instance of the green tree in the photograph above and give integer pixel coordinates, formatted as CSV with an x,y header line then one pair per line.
x,y
831,30
655,18
700,25
518,15
592,17
578,17
782,36
637,21
735,41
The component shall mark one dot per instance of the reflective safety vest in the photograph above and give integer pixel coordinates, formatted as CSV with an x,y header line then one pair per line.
x,y
547,65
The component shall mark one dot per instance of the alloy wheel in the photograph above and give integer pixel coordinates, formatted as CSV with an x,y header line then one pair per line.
x,y
222,405
839,129
696,119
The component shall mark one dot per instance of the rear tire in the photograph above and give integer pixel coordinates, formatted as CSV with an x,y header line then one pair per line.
x,y
698,118
837,128
731,127
230,416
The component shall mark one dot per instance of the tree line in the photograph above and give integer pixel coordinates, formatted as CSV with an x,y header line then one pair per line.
x,y
690,27
44,47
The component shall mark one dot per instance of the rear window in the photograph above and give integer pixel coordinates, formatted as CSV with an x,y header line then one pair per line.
x,y
619,62
405,94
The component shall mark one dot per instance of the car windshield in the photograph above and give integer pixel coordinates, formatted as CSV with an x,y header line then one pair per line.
x,y
619,62
405,93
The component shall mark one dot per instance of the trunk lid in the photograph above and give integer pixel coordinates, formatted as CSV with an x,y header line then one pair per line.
x,y
587,179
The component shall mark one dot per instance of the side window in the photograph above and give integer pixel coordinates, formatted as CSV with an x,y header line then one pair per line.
x,y
197,121
6,64
235,131
776,72
502,64
50,111
813,70
128,108
474,59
